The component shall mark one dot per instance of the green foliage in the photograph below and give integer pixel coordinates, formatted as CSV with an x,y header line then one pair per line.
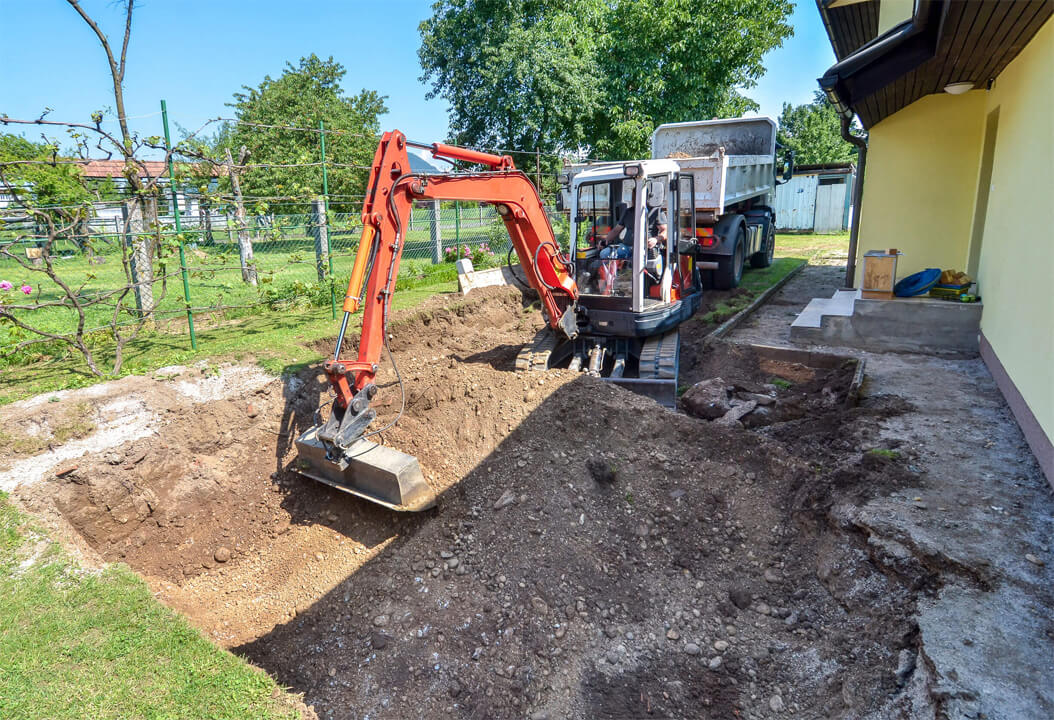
x,y
296,294
593,75
679,60
41,184
519,74
813,131
884,453
301,96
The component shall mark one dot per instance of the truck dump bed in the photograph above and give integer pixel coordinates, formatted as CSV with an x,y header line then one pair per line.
x,y
732,160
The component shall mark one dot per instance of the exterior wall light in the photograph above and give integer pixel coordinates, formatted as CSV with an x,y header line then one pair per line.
x,y
958,88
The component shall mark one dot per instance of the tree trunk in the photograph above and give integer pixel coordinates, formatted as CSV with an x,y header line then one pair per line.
x,y
245,244
320,232
141,244
205,211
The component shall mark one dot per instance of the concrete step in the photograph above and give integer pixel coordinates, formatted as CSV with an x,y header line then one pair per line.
x,y
920,325
840,304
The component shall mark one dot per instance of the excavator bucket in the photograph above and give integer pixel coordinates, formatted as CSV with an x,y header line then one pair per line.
x,y
367,470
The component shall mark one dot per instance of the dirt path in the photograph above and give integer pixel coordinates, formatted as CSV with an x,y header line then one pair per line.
x,y
592,554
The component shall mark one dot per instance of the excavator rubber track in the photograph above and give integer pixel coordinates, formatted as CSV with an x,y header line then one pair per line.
x,y
536,354
659,365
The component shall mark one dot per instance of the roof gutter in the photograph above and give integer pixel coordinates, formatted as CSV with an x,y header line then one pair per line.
x,y
896,52
871,67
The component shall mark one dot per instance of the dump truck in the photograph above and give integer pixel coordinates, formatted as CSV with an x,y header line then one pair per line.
x,y
733,163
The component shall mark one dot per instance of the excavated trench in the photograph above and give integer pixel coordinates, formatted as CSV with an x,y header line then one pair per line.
x,y
592,554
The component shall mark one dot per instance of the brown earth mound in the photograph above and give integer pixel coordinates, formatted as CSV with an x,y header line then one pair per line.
x,y
592,555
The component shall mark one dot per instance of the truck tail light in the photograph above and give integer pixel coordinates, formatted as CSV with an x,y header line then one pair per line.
x,y
705,236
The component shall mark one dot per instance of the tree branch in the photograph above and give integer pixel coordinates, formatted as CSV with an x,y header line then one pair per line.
x,y
127,34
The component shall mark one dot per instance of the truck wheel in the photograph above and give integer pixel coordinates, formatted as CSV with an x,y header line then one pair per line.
x,y
730,269
763,258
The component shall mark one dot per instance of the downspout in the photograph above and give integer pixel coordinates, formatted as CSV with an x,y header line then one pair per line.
x,y
858,193
869,68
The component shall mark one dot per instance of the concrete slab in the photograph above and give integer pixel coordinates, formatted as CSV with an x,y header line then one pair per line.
x,y
840,304
469,279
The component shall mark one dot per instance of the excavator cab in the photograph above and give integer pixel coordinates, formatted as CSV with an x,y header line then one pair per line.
x,y
632,236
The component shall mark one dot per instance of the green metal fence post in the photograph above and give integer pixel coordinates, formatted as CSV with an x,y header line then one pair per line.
x,y
325,202
179,228
457,227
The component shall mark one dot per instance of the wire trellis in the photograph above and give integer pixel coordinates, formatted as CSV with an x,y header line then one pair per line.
x,y
234,258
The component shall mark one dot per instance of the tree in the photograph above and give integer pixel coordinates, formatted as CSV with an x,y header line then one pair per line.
x,y
32,181
813,132
300,97
680,60
597,75
43,184
519,74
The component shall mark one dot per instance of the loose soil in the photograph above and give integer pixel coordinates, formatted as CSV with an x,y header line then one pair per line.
x,y
593,555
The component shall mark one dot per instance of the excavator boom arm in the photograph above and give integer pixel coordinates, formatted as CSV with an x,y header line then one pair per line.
x,y
392,190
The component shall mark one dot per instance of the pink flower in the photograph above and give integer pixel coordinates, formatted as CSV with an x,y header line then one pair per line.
x,y
27,289
5,285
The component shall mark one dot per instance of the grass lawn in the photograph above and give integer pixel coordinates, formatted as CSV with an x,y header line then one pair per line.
x,y
815,249
284,339
276,340
78,644
754,282
286,267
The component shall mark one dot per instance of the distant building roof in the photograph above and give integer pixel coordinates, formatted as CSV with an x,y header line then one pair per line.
x,y
846,167
115,168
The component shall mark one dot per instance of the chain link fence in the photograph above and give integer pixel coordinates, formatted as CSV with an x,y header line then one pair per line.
x,y
268,263
218,240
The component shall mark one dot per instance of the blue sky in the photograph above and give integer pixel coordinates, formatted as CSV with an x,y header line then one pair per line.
x,y
197,53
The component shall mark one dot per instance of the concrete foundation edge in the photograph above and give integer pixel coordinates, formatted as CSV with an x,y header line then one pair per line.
x,y
1037,440
473,279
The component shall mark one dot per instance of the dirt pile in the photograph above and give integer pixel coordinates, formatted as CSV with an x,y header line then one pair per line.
x,y
642,563
592,555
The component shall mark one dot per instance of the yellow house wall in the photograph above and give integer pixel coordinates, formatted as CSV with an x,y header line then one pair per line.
x,y
1016,271
920,182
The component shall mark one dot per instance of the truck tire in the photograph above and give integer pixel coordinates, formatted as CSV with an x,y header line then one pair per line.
x,y
730,269
763,258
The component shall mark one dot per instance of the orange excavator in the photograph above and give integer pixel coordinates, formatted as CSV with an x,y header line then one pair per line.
x,y
626,335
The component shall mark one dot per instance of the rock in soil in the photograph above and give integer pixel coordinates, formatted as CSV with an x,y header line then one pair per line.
x,y
707,399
